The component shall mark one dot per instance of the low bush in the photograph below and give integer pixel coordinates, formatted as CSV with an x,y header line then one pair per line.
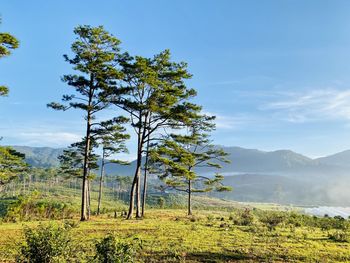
x,y
272,219
111,249
50,243
243,217
339,236
32,207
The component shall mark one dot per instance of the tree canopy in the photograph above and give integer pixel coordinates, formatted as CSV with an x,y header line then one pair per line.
x,y
12,164
7,43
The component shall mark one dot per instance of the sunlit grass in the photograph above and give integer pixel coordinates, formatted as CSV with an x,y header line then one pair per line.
x,y
208,236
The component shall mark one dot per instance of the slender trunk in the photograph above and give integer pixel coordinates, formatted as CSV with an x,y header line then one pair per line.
x,y
88,199
144,193
132,193
138,195
85,172
135,182
189,197
101,182
135,187
24,185
83,216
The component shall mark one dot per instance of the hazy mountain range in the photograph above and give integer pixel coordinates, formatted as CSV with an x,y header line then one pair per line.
x,y
276,176
281,162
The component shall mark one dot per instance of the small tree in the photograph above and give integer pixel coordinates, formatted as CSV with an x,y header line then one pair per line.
x,y
96,55
12,164
72,165
111,135
7,43
177,158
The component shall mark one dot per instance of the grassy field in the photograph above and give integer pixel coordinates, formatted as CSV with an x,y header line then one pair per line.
x,y
208,236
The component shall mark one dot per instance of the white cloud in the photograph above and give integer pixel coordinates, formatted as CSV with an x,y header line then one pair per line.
x,y
231,122
54,139
321,104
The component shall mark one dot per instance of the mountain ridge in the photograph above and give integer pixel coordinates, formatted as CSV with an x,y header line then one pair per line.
x,y
243,160
262,176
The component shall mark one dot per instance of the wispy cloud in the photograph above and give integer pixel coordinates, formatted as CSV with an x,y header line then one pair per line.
x,y
54,139
320,104
41,134
232,121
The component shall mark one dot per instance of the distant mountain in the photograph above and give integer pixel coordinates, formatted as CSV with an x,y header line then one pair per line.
x,y
281,162
256,161
40,156
339,159
246,161
260,176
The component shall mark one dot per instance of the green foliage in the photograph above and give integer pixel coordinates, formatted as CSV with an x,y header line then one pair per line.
x,y
272,219
339,236
242,217
51,243
157,98
161,202
111,249
7,43
33,207
177,157
72,159
96,54
12,164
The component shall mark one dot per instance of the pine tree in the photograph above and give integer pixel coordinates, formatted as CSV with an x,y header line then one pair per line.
x,y
157,99
72,166
177,158
96,56
7,43
12,164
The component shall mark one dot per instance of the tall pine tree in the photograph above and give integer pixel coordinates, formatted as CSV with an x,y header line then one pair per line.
x,y
157,99
96,54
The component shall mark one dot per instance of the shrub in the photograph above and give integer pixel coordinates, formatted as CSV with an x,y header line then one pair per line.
x,y
31,206
111,249
161,202
272,219
339,236
48,244
296,220
243,217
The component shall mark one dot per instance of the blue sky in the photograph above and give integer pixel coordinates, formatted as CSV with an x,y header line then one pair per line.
x,y
276,73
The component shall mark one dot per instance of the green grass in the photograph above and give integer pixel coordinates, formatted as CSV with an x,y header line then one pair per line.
x,y
170,236
209,236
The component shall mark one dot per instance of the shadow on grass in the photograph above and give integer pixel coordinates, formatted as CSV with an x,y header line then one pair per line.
x,y
208,257
218,257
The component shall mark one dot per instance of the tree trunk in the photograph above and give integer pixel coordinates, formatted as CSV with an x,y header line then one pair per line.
x,y
101,182
144,193
135,183
88,199
83,215
189,198
138,195
132,193
135,187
